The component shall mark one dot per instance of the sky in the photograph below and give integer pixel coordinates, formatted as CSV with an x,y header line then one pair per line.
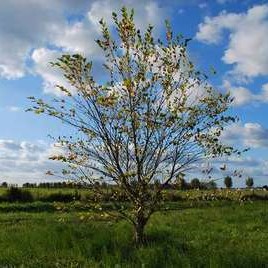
x,y
230,36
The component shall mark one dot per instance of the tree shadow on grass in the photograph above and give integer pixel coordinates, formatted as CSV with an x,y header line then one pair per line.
x,y
165,238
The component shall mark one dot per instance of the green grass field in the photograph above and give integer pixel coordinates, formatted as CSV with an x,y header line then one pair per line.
x,y
228,235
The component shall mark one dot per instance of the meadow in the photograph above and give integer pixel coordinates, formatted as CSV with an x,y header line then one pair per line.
x,y
217,228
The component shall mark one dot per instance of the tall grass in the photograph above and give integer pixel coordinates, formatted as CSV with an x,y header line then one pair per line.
x,y
229,236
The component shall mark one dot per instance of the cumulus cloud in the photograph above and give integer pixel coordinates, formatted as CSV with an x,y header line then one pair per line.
x,y
247,49
251,135
51,76
243,96
77,38
210,31
67,26
26,161
25,24
145,12
37,23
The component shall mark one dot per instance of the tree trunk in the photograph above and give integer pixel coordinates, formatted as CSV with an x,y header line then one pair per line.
x,y
139,233
141,221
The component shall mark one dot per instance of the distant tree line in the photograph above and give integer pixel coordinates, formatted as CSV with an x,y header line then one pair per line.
x,y
63,184
249,182
182,184
179,184
58,184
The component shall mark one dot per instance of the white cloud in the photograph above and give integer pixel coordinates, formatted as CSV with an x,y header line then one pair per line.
x,y
26,161
243,96
255,135
247,49
145,12
51,76
42,23
251,135
210,31
78,38
13,108
25,24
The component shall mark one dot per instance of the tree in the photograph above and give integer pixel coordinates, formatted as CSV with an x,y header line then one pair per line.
x,y
181,182
249,182
195,183
152,117
210,185
4,184
228,182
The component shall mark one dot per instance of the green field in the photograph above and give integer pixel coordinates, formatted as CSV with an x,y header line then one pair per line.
x,y
215,234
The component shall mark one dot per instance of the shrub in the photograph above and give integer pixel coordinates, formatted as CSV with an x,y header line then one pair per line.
x,y
27,207
253,197
61,197
172,196
14,194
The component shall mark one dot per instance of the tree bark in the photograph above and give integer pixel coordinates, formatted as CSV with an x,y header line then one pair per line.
x,y
139,233
141,221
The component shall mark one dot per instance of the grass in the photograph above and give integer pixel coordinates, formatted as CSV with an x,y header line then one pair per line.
x,y
231,235
87,195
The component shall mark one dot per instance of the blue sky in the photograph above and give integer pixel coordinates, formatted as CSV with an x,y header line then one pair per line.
x,y
228,35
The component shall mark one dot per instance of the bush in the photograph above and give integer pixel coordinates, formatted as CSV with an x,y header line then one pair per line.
x,y
172,196
61,197
253,197
14,194
27,207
